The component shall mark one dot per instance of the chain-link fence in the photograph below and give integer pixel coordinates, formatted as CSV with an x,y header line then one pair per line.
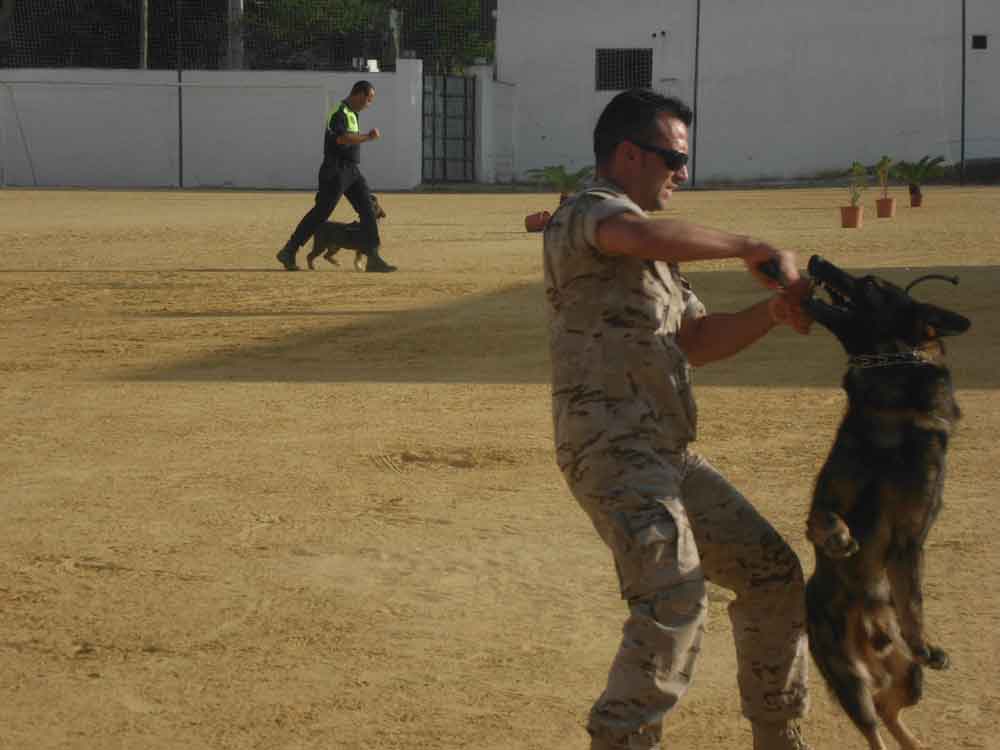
x,y
246,34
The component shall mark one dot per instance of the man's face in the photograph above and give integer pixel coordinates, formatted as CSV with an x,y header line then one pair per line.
x,y
361,100
653,182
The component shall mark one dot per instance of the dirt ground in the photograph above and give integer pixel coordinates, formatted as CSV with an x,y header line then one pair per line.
x,y
245,508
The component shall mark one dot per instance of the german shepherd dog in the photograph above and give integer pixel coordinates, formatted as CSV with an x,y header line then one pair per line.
x,y
878,495
333,236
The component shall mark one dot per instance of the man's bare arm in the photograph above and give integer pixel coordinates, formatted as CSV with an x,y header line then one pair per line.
x,y
676,241
721,335
353,139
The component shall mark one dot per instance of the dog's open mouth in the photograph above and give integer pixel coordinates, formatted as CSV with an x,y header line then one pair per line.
x,y
871,315
832,290
833,297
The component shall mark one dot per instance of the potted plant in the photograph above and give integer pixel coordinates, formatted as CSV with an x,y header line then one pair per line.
x,y
885,207
559,178
915,173
852,215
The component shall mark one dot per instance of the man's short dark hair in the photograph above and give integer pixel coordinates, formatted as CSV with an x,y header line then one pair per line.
x,y
632,115
362,87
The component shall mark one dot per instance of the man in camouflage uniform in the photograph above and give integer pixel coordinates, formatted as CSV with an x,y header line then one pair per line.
x,y
624,326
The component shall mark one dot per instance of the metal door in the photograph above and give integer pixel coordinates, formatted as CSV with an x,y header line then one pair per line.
x,y
449,129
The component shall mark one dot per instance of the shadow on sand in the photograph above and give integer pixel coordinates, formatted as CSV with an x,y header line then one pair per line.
x,y
502,338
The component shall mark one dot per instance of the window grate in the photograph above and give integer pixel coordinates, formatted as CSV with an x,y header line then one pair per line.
x,y
620,69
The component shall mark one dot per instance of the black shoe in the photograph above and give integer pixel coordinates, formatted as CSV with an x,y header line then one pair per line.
x,y
286,257
378,265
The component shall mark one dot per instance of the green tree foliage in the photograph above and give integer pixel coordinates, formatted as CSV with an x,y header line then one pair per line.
x,y
301,20
446,34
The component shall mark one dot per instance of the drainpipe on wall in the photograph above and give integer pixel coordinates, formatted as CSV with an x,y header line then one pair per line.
x,y
144,35
694,103
180,99
961,166
234,36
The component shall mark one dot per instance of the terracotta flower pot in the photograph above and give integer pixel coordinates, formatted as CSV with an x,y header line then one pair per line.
x,y
885,208
851,216
536,222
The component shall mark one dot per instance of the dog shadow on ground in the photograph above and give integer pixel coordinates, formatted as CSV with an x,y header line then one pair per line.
x,y
502,338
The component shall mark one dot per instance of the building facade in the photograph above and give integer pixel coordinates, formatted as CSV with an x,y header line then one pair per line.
x,y
783,90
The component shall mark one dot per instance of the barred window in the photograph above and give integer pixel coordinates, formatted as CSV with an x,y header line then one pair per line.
x,y
620,69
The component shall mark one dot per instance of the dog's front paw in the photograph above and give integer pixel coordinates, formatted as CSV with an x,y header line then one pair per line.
x,y
935,658
831,535
840,545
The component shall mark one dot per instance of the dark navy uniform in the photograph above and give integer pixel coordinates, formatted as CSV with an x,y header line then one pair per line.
x,y
339,175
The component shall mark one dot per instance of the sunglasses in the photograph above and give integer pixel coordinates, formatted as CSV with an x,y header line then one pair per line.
x,y
674,160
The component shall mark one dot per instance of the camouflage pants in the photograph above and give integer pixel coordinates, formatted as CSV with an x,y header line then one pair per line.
x,y
670,530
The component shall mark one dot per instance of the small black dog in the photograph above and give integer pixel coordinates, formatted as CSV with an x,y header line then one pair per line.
x,y
333,236
878,495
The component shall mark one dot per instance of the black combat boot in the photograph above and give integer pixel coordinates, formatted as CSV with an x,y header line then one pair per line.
x,y
286,256
377,264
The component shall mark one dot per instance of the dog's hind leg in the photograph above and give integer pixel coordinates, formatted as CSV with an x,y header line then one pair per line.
x,y
837,640
318,245
907,687
312,256
905,572
328,255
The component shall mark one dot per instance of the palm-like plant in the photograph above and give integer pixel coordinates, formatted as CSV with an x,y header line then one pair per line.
x,y
859,182
559,178
915,173
882,169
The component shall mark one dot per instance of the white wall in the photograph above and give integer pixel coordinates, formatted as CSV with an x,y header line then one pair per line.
x,y
783,92
982,116
485,126
830,84
88,128
504,123
548,49
240,129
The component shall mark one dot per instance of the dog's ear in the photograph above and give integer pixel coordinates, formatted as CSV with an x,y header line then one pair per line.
x,y
941,322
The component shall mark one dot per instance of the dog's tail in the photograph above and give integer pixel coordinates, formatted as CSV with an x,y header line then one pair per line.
x,y
845,643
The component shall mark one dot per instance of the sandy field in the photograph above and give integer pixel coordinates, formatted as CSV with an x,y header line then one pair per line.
x,y
245,508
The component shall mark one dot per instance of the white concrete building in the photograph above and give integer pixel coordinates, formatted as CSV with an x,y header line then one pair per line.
x,y
138,128
782,89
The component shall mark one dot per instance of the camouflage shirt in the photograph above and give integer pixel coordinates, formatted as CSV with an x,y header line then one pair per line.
x,y
621,386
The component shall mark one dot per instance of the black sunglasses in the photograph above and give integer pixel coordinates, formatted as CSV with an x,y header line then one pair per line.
x,y
674,160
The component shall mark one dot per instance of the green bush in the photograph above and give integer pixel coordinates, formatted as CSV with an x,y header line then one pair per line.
x,y
559,178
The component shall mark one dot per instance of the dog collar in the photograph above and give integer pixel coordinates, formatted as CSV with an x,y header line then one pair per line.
x,y
864,361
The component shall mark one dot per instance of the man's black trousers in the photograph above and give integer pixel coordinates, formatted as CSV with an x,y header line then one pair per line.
x,y
333,183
